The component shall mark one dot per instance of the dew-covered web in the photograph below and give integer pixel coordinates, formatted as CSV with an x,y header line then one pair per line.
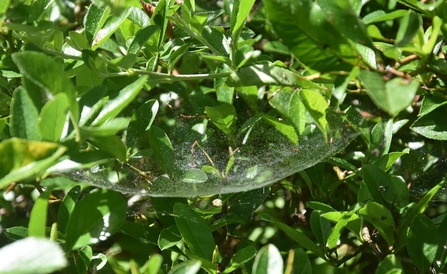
x,y
262,159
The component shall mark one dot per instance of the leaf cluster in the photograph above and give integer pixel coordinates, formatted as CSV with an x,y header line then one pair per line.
x,y
199,136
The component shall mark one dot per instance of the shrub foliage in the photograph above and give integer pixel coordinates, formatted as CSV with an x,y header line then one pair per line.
x,y
244,136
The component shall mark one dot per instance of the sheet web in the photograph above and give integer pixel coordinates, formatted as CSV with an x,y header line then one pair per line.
x,y
265,158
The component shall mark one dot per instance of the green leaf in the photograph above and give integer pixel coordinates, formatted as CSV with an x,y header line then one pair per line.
x,y
267,73
193,176
242,210
24,116
78,40
159,18
408,28
217,42
240,12
4,6
141,122
141,38
16,233
67,206
177,55
392,96
225,94
286,129
430,103
195,231
47,74
382,187
441,254
311,34
341,219
321,227
106,213
83,259
94,20
5,101
139,17
241,257
88,78
53,118
154,263
390,265
381,136
343,18
432,124
301,262
169,237
428,47
91,103
324,208
38,219
111,144
296,235
276,47
289,104
163,151
223,117
21,160
317,106
188,10
422,242
188,267
112,24
386,161
107,128
38,255
342,163
114,106
380,16
417,209
381,218
268,260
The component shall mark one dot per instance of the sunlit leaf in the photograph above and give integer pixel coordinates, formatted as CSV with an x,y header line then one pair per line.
x,y
20,159
392,96
107,211
116,105
53,118
382,219
310,33
268,260
40,255
223,116
38,218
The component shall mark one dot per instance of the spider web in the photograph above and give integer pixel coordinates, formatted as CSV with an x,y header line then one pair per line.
x,y
265,159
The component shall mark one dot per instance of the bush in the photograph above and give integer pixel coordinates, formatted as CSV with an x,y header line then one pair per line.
x,y
223,136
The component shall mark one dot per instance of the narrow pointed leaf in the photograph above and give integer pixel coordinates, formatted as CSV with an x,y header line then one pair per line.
x,y
24,116
195,231
296,235
53,118
38,219
114,106
94,20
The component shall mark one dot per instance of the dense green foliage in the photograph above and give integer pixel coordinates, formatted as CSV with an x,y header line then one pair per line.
x,y
243,136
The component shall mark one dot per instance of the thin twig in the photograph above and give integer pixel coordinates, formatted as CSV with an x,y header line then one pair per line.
x,y
196,143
